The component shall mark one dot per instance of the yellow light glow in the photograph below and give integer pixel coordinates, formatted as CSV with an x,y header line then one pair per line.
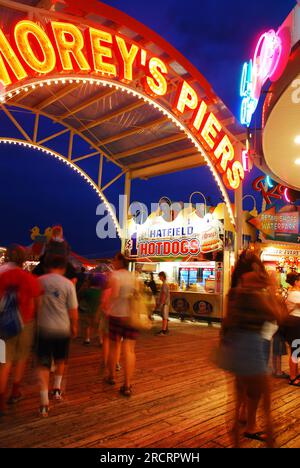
x,y
127,58
225,152
158,84
21,33
187,98
69,48
161,108
8,54
99,51
235,175
210,130
197,121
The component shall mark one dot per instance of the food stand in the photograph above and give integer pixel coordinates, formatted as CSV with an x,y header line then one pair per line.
x,y
192,249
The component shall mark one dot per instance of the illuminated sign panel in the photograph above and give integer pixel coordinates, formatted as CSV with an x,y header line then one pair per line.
x,y
187,235
65,48
269,61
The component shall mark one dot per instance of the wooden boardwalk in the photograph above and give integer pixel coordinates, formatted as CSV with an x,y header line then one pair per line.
x,y
180,400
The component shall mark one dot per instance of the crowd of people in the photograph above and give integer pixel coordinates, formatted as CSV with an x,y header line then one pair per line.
x,y
55,303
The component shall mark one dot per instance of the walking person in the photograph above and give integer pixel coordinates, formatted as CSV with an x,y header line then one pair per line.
x,y
122,286
164,303
57,323
250,307
291,328
14,280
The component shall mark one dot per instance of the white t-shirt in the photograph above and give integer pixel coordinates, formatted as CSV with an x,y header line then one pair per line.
x,y
58,298
294,298
124,281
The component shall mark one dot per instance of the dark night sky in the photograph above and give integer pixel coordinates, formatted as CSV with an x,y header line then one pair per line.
x,y
217,37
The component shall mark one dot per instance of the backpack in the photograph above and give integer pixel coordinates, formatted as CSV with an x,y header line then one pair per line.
x,y
11,323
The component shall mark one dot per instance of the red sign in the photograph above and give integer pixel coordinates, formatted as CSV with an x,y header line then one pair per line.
x,y
34,50
269,222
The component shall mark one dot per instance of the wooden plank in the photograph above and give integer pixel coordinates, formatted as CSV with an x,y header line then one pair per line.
x,y
180,400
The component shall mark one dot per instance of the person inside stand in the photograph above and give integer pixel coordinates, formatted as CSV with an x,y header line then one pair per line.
x,y
153,287
164,303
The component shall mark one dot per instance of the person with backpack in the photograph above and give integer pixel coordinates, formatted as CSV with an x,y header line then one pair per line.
x,y
19,297
57,323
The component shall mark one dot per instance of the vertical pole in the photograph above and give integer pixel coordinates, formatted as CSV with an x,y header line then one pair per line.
x,y
100,171
238,213
126,203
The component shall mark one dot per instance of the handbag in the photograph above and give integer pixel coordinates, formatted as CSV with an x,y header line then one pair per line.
x,y
11,323
138,312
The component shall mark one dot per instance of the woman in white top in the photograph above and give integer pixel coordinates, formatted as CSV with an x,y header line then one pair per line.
x,y
122,285
292,327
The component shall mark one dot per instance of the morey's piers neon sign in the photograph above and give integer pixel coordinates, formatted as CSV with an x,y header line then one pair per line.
x,y
36,51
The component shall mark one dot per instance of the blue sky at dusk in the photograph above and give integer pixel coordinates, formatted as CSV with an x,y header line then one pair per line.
x,y
217,37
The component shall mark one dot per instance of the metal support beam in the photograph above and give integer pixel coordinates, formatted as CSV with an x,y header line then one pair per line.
x,y
238,210
36,127
165,158
70,149
125,210
134,131
57,96
111,115
100,171
87,103
177,165
156,144
112,181
16,123
55,135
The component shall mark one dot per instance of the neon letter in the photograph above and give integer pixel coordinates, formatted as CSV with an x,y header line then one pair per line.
x,y
22,33
12,60
157,84
187,97
126,58
210,130
234,176
225,151
69,42
99,51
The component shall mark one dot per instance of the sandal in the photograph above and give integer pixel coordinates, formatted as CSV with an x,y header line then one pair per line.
x,y
261,436
282,375
110,381
293,382
126,391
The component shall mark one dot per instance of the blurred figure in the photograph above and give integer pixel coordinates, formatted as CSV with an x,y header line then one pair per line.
x,y
80,279
251,307
122,286
57,244
89,303
164,303
291,329
18,348
57,322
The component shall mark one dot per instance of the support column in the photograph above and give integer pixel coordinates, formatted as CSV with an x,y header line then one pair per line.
x,y
238,213
125,208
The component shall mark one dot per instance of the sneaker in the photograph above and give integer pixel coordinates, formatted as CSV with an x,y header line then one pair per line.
x,y
161,333
87,342
13,399
56,394
118,367
44,411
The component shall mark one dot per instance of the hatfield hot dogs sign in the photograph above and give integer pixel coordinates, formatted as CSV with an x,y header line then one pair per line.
x,y
185,236
36,50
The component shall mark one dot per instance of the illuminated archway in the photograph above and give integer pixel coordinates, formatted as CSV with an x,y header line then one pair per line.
x,y
133,61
